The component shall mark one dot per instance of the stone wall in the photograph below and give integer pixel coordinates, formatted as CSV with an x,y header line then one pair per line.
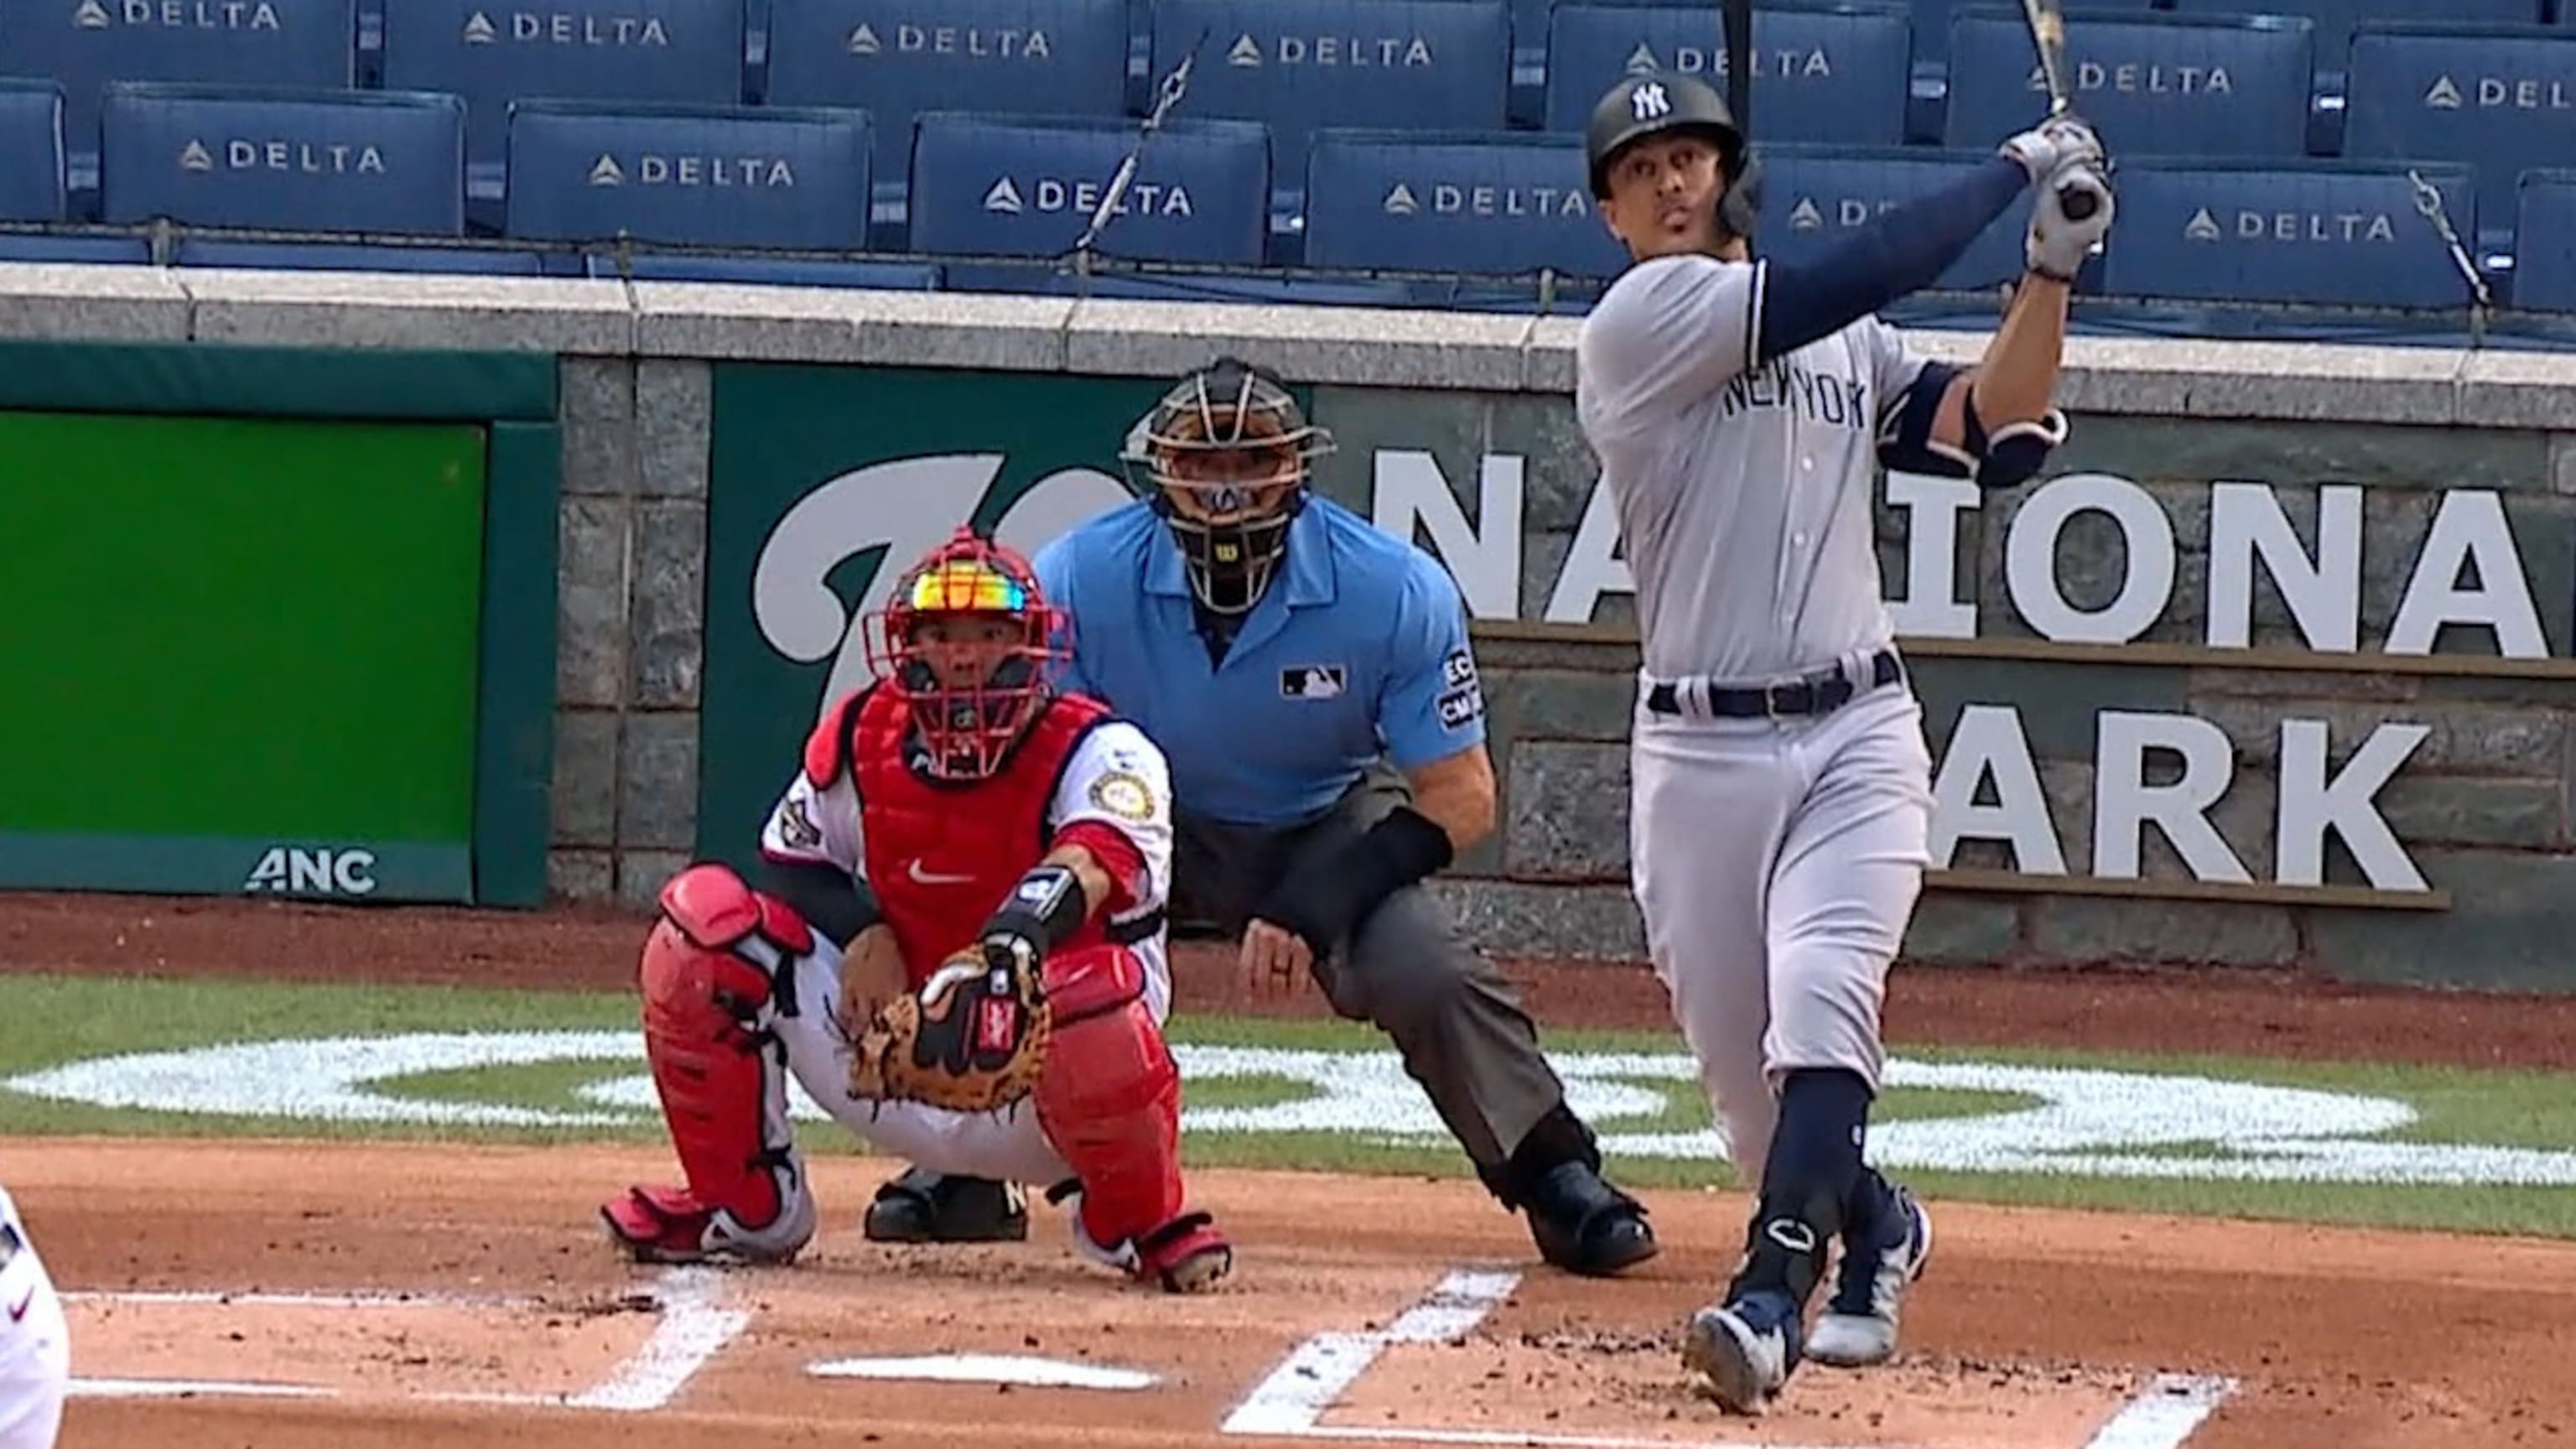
x,y
2484,806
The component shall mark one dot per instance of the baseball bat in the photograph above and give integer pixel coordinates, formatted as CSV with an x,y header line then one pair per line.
x,y
2048,31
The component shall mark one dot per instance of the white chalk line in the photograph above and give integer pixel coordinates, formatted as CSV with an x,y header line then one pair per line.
x,y
1291,1401
692,1326
2165,1413
299,1300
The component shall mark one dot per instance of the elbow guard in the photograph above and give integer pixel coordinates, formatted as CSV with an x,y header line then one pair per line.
x,y
2014,452
1905,441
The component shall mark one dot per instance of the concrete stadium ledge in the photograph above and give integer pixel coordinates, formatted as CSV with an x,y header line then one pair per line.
x,y
1349,346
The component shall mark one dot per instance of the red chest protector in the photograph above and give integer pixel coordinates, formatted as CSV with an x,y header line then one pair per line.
x,y
941,856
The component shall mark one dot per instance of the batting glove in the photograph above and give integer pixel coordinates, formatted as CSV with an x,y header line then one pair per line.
x,y
2054,144
2059,243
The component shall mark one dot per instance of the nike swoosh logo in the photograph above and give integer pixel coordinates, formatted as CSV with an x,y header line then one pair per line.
x,y
24,1303
922,877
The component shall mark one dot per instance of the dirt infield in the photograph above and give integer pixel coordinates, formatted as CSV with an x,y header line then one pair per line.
x,y
365,1296
428,1287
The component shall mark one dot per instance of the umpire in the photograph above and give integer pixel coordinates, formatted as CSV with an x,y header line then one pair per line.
x,y
1310,678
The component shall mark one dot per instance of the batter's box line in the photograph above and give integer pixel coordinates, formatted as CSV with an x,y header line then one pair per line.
x,y
692,1324
1290,1402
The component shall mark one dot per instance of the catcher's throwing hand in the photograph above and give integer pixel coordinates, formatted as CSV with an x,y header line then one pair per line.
x,y
1274,959
972,1039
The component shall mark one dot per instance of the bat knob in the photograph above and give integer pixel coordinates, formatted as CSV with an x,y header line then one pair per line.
x,y
2077,202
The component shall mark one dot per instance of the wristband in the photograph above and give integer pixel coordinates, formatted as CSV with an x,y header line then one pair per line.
x,y
1328,900
1045,907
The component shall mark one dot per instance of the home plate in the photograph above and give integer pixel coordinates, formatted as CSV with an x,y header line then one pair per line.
x,y
986,1368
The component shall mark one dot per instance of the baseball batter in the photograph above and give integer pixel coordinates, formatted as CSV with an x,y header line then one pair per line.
x,y
1781,784
35,1343
959,809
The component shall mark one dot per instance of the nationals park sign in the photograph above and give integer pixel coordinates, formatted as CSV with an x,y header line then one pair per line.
x,y
827,480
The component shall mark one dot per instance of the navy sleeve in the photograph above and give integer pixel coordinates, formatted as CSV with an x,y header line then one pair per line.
x,y
1902,251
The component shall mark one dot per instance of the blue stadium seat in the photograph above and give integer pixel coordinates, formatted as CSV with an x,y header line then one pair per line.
x,y
358,161
1026,186
1295,65
770,271
1475,202
2166,85
1834,74
1026,57
2319,232
2334,19
688,51
2499,100
84,44
2544,262
706,175
1815,195
351,257
84,250
31,152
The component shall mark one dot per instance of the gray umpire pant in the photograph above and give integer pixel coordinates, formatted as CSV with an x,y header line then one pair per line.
x,y
1455,1019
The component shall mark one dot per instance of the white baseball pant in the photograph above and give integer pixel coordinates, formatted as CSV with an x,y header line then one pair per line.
x,y
1776,862
35,1342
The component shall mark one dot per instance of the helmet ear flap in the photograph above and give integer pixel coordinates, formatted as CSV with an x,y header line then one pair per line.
x,y
1739,207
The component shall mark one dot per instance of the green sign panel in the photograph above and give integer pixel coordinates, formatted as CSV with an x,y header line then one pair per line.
x,y
241,653
828,481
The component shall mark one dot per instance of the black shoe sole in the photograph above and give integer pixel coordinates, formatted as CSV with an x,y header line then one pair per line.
x,y
910,1224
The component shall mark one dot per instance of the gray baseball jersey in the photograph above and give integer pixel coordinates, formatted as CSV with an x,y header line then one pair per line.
x,y
1744,492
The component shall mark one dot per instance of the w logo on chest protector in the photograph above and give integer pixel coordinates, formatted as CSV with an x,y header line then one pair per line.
x,y
1823,397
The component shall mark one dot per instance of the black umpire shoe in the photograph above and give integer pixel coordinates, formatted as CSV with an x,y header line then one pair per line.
x,y
1584,1225
922,1206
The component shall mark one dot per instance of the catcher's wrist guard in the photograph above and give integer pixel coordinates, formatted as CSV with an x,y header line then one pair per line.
x,y
1328,900
1045,907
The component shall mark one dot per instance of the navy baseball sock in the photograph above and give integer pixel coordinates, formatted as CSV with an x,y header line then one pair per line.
x,y
1811,1175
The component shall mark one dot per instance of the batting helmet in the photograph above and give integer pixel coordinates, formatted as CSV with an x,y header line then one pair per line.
x,y
1654,103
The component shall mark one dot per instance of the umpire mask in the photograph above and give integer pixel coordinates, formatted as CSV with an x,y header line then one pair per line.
x,y
1225,452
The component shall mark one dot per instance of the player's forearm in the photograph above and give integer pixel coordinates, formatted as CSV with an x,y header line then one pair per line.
x,y
1094,878
1900,252
2017,380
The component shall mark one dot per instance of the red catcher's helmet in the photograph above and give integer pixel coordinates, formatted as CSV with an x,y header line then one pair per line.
x,y
966,639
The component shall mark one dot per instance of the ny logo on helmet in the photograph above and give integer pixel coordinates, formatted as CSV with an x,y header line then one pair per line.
x,y
1648,101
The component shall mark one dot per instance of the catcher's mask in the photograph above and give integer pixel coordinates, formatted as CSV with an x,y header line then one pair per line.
x,y
966,639
1226,451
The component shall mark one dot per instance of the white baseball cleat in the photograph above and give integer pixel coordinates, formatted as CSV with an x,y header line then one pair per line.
x,y
1743,1353
1858,1327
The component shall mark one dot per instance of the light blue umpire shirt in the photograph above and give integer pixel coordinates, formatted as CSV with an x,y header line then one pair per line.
x,y
1356,651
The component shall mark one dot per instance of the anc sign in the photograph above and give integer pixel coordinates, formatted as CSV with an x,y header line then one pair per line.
x,y
825,483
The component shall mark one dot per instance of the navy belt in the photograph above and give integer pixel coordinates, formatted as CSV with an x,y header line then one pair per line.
x,y
1822,692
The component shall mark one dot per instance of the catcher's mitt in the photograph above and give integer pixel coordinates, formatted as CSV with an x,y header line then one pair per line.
x,y
972,1039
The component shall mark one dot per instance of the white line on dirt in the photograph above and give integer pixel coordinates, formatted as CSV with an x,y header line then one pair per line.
x,y
695,1326
985,1368
174,1388
1289,1403
2164,1413
297,1300
1298,1392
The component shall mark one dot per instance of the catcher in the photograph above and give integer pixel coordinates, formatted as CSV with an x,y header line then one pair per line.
x,y
959,953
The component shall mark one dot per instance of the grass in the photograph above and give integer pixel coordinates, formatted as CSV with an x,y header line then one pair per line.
x,y
58,1020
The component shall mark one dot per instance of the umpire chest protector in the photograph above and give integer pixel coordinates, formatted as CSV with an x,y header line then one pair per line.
x,y
940,856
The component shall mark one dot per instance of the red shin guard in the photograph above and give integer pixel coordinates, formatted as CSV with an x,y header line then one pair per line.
x,y
1110,1097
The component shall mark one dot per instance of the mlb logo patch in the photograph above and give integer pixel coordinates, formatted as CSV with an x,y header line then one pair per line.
x,y
1311,681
